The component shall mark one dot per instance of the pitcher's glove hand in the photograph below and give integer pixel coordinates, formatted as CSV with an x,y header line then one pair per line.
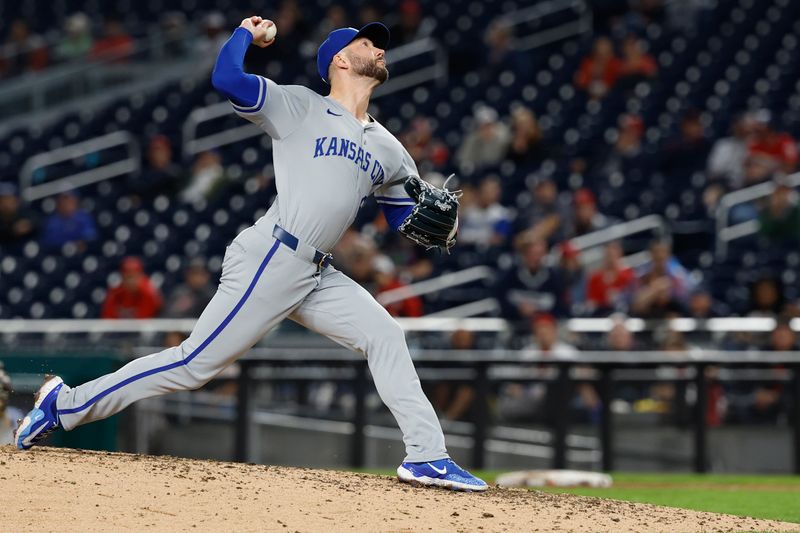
x,y
433,222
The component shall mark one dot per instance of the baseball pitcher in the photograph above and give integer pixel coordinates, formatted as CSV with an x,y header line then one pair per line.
x,y
329,154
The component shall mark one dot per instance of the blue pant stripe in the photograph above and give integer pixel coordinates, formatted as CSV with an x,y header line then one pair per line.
x,y
192,355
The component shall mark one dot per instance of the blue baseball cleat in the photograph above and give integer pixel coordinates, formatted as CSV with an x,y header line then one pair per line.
x,y
42,419
442,473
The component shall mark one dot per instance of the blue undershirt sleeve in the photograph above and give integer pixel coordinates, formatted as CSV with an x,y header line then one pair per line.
x,y
396,214
229,77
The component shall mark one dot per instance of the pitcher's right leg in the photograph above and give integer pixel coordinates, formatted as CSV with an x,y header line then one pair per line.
x,y
261,283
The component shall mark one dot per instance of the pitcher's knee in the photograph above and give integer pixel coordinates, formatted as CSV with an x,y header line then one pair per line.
x,y
386,333
196,372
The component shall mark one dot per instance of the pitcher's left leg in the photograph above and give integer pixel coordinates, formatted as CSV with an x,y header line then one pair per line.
x,y
343,311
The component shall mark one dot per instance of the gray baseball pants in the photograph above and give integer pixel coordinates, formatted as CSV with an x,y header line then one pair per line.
x,y
263,281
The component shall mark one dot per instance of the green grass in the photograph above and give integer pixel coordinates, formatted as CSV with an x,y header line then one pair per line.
x,y
770,497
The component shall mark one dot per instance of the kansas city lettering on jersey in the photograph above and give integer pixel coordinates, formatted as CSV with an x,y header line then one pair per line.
x,y
337,146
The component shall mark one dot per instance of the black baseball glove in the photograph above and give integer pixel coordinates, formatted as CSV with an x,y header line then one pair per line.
x,y
434,220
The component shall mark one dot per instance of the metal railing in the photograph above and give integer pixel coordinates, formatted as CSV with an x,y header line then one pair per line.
x,y
435,322
726,233
481,362
87,74
581,25
130,164
436,71
192,145
163,325
445,281
589,244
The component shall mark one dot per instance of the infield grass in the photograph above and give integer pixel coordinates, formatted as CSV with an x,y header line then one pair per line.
x,y
773,497
770,497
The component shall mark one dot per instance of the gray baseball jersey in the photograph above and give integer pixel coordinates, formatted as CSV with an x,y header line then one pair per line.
x,y
326,162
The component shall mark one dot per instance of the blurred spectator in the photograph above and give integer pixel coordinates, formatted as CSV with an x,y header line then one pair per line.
x,y
215,33
766,297
688,152
572,277
702,305
115,45
22,51
500,54
206,180
774,149
428,152
664,286
69,223
78,39
599,71
585,216
355,255
454,401
188,299
135,296
528,146
531,286
335,17
412,25
608,287
485,222
173,24
626,153
293,31
539,213
160,175
386,279
728,154
369,13
783,338
537,402
545,337
486,144
16,222
8,414
636,64
779,219
619,337
762,403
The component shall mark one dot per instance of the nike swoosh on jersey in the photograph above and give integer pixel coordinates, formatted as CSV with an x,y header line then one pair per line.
x,y
334,114
442,472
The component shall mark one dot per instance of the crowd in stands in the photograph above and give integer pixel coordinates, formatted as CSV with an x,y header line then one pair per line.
x,y
524,229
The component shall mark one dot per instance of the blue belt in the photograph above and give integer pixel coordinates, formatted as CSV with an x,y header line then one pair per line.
x,y
320,259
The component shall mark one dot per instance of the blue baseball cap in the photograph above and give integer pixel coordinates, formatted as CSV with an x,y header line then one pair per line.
x,y
338,39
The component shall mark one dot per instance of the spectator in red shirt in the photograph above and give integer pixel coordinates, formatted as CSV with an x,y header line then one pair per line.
x,y
599,71
135,296
779,150
607,286
116,45
386,279
636,65
585,217
426,150
23,51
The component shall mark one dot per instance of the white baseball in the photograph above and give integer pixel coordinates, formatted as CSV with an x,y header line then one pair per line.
x,y
272,31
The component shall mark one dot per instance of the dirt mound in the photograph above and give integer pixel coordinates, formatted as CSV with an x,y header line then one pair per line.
x,y
51,489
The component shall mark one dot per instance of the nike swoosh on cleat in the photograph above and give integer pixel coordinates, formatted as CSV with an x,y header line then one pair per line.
x,y
334,114
442,472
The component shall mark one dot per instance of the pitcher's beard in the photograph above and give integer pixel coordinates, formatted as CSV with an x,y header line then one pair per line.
x,y
370,69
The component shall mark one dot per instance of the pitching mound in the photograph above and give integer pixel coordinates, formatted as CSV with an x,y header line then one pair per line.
x,y
49,489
